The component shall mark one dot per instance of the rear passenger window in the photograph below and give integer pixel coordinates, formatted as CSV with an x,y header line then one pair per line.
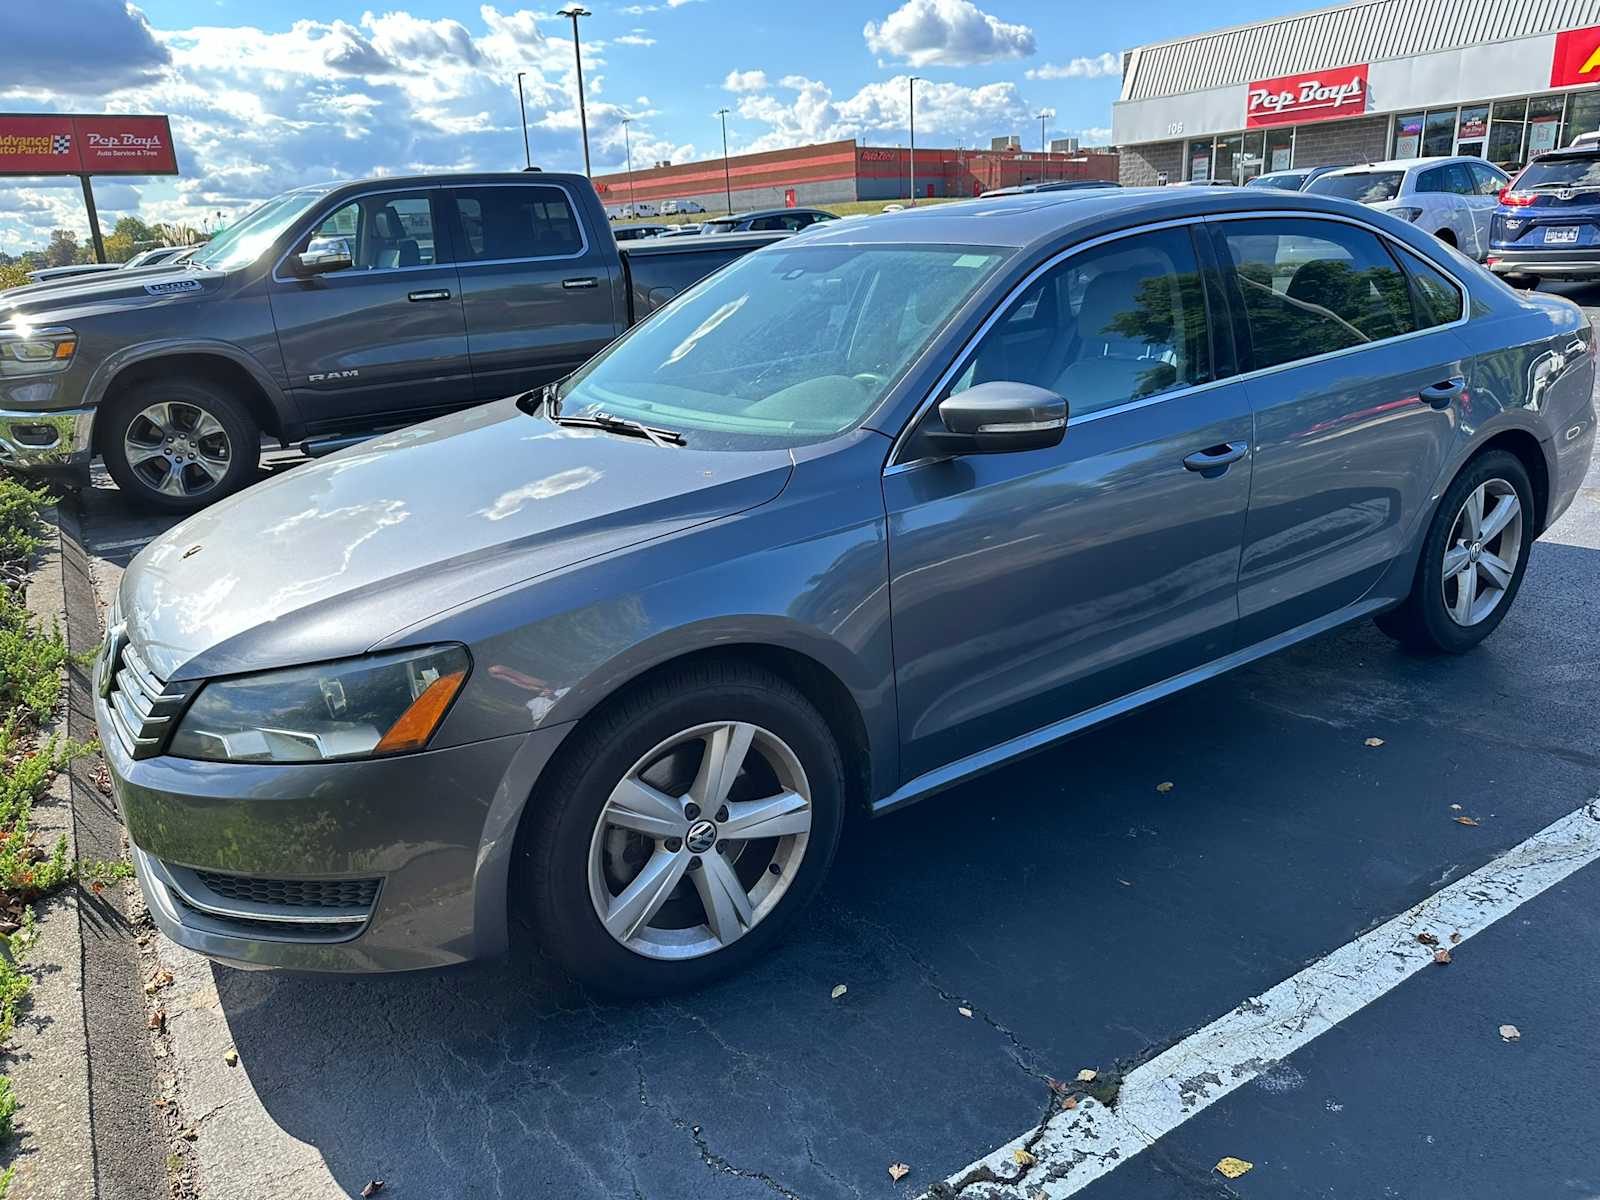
x,y
1311,287
1120,322
1438,300
515,222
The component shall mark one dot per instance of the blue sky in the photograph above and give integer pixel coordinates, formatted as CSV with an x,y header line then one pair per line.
x,y
270,94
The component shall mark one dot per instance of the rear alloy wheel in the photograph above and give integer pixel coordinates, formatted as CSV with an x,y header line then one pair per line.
x,y
179,445
1473,559
680,829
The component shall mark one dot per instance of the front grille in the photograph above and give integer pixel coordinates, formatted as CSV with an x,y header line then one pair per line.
x,y
296,931
142,706
293,893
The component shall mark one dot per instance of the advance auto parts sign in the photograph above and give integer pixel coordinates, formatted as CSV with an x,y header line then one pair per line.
x,y
1313,96
52,144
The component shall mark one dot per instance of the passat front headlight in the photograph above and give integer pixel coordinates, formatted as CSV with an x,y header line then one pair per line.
x,y
25,351
355,708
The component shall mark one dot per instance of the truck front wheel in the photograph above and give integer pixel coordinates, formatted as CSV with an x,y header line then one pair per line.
x,y
179,444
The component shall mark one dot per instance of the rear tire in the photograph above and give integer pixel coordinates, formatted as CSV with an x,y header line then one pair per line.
x,y
180,444
618,810
1473,559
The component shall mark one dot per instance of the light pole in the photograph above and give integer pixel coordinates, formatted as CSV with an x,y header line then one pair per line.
x,y
1044,150
627,146
727,175
576,11
911,85
527,154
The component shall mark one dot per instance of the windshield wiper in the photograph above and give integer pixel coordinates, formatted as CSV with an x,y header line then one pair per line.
x,y
623,425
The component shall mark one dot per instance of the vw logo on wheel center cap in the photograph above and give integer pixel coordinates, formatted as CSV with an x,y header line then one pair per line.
x,y
701,837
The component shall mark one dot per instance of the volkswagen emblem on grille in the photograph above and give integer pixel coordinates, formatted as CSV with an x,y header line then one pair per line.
x,y
701,837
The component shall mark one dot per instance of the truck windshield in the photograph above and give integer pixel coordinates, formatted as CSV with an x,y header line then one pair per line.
x,y
1364,187
785,346
244,241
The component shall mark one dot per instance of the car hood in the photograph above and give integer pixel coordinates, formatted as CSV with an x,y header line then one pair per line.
x,y
106,289
330,558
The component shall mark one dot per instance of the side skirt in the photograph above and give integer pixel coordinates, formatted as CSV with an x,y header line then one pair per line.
x,y
963,769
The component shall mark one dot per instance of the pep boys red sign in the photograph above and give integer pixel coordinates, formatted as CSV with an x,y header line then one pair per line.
x,y
1313,96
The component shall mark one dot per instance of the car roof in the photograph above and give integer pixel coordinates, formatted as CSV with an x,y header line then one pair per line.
x,y
1034,219
767,212
1404,164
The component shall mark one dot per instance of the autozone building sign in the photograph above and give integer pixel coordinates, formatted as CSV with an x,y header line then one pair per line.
x,y
63,144
1313,96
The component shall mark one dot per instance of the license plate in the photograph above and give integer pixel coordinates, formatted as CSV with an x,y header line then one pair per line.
x,y
1556,234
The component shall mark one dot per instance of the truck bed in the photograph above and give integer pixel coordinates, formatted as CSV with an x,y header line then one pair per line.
x,y
657,270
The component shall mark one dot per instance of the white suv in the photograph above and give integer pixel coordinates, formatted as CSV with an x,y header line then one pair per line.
x,y
1451,198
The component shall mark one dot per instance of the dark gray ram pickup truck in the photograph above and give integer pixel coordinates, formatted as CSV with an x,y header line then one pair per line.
x,y
325,315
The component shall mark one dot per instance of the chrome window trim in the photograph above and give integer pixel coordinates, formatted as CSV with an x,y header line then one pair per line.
x,y
894,467
354,274
577,219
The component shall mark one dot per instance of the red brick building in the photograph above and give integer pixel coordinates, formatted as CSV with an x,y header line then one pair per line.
x,y
836,172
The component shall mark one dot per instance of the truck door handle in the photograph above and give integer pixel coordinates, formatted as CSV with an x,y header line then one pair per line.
x,y
1439,395
584,281
436,294
1214,460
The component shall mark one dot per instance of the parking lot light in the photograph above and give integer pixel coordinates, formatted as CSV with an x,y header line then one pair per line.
x,y
576,11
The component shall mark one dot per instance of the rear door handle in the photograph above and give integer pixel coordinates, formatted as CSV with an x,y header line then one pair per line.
x,y
1214,460
1440,394
586,281
436,294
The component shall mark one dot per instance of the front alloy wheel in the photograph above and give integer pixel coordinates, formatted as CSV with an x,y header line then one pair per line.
x,y
681,866
178,450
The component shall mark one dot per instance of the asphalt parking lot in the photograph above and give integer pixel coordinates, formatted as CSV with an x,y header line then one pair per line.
x,y
1083,915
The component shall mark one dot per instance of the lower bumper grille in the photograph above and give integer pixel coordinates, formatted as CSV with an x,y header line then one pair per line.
x,y
247,906
293,893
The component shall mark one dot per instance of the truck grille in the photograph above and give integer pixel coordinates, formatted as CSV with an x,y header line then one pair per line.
x,y
293,893
142,707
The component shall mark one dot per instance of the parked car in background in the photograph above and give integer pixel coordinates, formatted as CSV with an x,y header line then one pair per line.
x,y
779,219
1548,220
896,206
860,516
678,208
632,212
1453,198
1294,180
154,257
46,274
632,233
1592,138
328,313
689,229
1189,183
1049,185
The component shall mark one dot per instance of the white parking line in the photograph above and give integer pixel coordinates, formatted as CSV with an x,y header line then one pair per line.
x,y
1074,1148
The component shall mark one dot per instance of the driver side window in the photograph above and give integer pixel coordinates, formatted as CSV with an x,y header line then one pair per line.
x,y
384,232
1120,322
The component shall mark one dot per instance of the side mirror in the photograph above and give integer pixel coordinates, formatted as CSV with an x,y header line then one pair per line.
x,y
324,254
998,418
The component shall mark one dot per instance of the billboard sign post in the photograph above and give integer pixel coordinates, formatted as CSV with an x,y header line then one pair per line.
x,y
85,146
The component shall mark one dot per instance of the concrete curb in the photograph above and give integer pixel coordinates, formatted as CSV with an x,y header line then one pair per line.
x,y
54,1151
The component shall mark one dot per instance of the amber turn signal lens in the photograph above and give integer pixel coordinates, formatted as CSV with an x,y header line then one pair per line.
x,y
417,723
64,349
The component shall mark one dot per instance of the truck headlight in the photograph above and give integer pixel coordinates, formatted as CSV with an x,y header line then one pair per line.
x,y
355,708
25,351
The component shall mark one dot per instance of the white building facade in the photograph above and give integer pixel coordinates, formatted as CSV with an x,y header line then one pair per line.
x,y
1504,79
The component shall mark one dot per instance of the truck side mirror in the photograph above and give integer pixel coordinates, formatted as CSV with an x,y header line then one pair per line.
x,y
322,255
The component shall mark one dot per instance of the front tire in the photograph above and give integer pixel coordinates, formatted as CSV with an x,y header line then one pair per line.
x,y
681,829
179,444
1473,559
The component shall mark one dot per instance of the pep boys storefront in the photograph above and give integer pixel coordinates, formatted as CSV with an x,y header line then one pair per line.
x,y
1358,83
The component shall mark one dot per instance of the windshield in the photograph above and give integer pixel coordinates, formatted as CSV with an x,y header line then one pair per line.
x,y
1287,181
1581,172
1364,187
243,242
719,226
789,345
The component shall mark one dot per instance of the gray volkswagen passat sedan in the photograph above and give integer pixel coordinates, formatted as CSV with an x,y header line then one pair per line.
x,y
858,518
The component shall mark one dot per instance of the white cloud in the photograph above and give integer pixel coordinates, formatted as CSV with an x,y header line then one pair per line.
x,y
636,38
1080,68
746,81
87,47
949,33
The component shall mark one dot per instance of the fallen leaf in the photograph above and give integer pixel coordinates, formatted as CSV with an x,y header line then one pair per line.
x,y
1087,1075
1233,1167
1374,743
190,1134
1454,938
1465,820
1510,1033
1164,788
839,990
1442,957
1024,1159
373,1188
965,1012
231,1057
898,1171
1070,1103
158,1020
1427,939
1056,1086
156,982
97,887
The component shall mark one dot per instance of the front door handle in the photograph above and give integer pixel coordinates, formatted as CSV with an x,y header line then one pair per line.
x,y
586,281
436,294
1440,394
1214,460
